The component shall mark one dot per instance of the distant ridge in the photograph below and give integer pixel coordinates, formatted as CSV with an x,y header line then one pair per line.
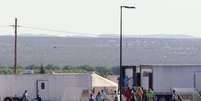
x,y
99,50
167,36
149,36
107,35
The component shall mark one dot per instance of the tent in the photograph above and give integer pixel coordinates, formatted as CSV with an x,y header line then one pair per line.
x,y
99,81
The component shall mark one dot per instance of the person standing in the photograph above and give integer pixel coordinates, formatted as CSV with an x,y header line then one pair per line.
x,y
91,98
115,96
25,96
139,94
174,96
133,97
150,95
128,94
98,97
126,81
103,95
38,98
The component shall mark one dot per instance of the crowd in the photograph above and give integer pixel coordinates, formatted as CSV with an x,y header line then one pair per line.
x,y
102,96
134,94
131,94
139,94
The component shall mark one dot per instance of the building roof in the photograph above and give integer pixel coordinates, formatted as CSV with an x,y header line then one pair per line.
x,y
99,81
171,65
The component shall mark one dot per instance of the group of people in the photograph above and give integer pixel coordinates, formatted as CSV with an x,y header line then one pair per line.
x,y
101,96
138,94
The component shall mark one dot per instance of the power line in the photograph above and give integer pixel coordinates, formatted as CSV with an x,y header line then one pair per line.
x,y
50,30
54,30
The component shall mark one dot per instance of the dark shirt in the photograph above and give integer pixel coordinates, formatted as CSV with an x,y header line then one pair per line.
x,y
91,99
38,98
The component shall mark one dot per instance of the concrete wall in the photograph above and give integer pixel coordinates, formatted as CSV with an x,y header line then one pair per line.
x,y
166,77
67,87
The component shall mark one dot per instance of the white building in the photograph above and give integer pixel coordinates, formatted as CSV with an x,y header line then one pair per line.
x,y
52,87
165,77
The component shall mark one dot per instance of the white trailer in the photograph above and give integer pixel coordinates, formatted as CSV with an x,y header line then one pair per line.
x,y
163,78
61,87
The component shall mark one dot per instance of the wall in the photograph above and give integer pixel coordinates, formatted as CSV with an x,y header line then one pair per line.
x,y
166,77
67,87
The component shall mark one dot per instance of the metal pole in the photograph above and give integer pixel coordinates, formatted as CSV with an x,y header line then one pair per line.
x,y
194,78
120,54
121,69
15,48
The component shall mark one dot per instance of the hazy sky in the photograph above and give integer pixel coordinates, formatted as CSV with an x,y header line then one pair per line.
x,y
102,16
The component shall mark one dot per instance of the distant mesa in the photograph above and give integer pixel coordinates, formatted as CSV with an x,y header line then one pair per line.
x,y
167,36
106,35
101,51
148,36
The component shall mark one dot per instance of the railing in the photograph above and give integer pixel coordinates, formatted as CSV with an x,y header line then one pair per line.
x,y
187,94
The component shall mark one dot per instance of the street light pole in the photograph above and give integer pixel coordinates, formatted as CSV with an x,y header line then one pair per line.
x,y
121,35
120,78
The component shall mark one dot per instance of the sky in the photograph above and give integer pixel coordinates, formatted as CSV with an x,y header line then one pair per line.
x,y
92,17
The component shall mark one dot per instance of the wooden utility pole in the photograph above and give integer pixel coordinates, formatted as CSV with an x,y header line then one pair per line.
x,y
15,48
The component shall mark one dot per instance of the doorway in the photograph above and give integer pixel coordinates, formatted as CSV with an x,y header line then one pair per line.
x,y
146,78
43,89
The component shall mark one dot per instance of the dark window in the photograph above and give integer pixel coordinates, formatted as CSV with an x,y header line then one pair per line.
x,y
145,74
43,85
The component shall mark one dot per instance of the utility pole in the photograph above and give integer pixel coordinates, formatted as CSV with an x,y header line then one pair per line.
x,y
15,46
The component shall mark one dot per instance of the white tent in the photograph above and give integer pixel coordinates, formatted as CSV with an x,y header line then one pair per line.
x,y
99,81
